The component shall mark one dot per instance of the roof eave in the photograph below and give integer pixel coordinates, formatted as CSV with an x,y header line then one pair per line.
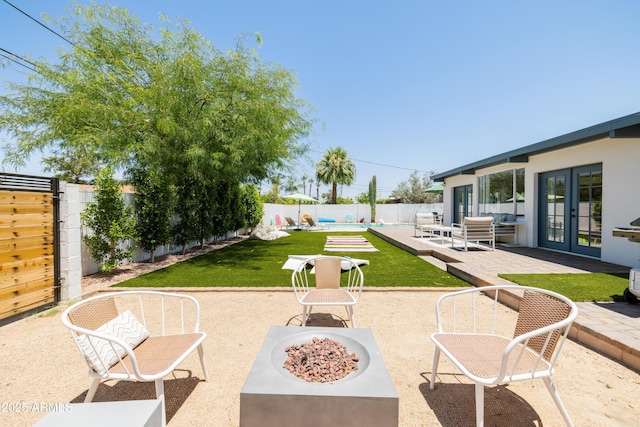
x,y
623,127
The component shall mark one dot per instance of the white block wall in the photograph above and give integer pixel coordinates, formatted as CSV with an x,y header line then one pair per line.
x,y
70,242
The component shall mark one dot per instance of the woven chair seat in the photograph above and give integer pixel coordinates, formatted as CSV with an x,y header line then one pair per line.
x,y
487,363
326,296
158,354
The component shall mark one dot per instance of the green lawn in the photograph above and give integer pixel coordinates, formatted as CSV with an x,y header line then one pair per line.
x,y
577,287
258,263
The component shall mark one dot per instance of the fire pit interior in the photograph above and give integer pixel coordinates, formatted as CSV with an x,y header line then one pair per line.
x,y
280,354
321,360
273,396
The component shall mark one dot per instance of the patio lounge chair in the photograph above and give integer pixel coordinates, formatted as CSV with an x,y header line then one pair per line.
x,y
327,287
474,229
290,222
487,357
312,223
117,346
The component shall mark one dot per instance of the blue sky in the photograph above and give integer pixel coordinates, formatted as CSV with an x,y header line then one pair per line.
x,y
413,85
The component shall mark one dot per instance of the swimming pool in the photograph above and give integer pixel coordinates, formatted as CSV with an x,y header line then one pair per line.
x,y
348,226
345,225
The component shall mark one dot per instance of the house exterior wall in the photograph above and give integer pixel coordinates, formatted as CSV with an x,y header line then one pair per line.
x,y
621,190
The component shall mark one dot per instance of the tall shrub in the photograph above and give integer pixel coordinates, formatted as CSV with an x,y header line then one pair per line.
x,y
237,208
154,209
188,201
253,206
111,222
220,209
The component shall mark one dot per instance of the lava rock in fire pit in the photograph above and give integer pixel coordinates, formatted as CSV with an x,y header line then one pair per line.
x,y
321,360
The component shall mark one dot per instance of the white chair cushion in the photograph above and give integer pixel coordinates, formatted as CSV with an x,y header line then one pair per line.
x,y
100,354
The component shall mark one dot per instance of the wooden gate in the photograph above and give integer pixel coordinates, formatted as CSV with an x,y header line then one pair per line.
x,y
28,244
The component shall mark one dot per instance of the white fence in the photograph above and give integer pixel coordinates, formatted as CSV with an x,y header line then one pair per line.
x,y
397,213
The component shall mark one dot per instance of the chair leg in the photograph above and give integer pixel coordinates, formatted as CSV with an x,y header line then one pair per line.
x,y
556,398
160,395
434,369
350,313
92,390
304,315
479,405
203,363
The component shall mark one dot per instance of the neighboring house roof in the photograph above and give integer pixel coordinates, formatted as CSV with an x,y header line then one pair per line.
x,y
623,127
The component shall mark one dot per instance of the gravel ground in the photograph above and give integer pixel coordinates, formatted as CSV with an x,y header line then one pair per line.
x,y
40,364
41,367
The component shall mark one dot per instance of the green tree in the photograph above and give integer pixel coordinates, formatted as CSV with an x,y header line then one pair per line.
x,y
413,189
169,99
154,202
76,167
335,168
111,222
363,198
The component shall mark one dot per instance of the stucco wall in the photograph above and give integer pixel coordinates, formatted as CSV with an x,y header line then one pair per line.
x,y
621,190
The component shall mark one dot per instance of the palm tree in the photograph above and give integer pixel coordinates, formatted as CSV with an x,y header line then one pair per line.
x,y
335,168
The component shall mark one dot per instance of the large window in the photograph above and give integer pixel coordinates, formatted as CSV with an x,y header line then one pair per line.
x,y
502,192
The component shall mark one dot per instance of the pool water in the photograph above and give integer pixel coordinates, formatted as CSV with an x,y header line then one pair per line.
x,y
355,225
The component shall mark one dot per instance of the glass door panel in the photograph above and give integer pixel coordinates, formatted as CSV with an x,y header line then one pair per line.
x,y
571,210
587,219
462,202
554,200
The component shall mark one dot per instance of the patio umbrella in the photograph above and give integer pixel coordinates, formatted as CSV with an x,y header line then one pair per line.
x,y
435,189
300,198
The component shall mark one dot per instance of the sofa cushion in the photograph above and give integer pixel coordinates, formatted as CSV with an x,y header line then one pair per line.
x,y
477,220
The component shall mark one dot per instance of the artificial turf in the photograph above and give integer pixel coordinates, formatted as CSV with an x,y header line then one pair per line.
x,y
258,263
577,286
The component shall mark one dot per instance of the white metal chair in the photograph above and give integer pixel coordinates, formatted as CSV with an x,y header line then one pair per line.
x,y
320,281
116,345
486,356
474,229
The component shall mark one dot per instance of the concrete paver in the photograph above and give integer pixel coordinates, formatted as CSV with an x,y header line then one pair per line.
x,y
612,328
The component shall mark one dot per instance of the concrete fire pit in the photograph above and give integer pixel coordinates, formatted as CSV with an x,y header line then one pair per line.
x,y
272,396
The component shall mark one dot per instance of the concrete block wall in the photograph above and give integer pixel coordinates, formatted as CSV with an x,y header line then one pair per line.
x,y
70,242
